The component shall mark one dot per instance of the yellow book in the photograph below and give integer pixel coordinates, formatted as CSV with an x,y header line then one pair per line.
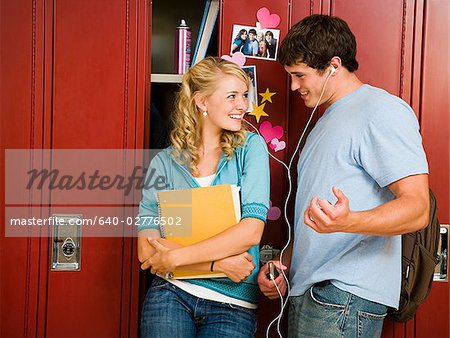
x,y
191,215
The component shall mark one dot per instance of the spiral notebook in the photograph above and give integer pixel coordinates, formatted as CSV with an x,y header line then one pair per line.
x,y
191,215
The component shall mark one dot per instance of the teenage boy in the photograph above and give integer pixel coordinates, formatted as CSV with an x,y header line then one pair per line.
x,y
362,182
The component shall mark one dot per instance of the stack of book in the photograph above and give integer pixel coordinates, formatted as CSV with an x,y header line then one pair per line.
x,y
193,215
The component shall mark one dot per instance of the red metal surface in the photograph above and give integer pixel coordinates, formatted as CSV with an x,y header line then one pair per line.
x,y
21,120
379,37
271,75
432,319
91,92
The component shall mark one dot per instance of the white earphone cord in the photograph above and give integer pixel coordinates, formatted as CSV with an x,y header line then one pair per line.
x,y
288,169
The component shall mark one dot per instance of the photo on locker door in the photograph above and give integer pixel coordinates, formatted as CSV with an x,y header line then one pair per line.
x,y
253,90
254,42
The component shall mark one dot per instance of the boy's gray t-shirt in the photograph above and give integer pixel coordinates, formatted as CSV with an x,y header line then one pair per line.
x,y
363,142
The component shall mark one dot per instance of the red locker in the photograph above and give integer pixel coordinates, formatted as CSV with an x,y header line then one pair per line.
x,y
75,76
271,75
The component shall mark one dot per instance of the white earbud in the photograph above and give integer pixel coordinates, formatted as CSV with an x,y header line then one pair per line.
x,y
332,69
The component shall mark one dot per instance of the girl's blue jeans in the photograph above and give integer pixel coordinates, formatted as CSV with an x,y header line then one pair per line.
x,y
171,312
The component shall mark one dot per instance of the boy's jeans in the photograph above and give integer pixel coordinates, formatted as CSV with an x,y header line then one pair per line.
x,y
327,312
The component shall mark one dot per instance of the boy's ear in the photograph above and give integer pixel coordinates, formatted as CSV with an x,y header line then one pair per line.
x,y
200,102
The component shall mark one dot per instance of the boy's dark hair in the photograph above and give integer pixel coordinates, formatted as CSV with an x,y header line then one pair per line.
x,y
252,30
316,39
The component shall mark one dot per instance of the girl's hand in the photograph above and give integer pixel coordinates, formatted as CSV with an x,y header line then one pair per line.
x,y
237,267
161,261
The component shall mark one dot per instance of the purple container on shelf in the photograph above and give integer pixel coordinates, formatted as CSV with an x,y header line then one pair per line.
x,y
182,48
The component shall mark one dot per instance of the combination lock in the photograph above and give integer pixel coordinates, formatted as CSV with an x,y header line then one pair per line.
x,y
66,244
68,248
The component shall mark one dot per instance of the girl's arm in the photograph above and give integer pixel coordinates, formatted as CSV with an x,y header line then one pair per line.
x,y
255,185
222,245
236,267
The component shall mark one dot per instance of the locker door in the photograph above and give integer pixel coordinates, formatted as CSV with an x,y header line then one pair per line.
x,y
400,49
270,75
88,68
432,99
21,118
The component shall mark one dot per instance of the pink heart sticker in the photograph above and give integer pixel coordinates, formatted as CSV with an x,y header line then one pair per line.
x,y
273,213
277,145
269,132
237,58
266,19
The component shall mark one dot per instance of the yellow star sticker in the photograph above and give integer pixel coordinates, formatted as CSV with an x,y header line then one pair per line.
x,y
267,96
258,111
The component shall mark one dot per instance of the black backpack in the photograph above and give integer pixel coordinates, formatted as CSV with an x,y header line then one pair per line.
x,y
419,259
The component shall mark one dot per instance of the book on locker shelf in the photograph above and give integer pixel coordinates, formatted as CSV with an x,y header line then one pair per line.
x,y
193,215
206,29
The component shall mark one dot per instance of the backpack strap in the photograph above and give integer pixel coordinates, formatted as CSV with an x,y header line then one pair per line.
x,y
419,259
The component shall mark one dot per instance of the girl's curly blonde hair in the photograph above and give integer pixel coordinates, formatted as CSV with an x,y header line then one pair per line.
x,y
185,137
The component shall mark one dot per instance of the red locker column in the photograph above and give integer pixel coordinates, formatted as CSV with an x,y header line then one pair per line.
x,y
271,75
432,318
75,75
95,106
20,128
